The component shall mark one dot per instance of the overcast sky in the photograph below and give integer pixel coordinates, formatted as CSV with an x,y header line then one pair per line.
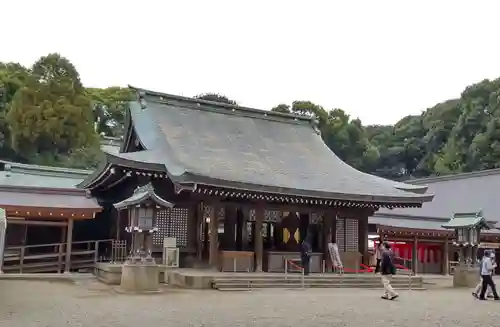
x,y
377,60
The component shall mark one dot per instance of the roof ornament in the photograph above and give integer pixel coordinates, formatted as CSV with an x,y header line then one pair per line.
x,y
143,193
142,101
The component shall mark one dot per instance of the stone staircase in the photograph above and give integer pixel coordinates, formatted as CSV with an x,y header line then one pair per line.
x,y
294,281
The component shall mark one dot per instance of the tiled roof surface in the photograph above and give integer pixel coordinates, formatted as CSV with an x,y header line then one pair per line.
x,y
217,144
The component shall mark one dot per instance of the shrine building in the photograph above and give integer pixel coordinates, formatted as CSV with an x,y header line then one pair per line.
x,y
419,235
245,186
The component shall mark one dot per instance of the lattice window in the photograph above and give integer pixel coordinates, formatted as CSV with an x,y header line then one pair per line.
x,y
352,236
269,215
172,223
272,216
316,217
341,234
251,215
161,223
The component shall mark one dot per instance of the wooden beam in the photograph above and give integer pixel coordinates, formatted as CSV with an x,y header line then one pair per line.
x,y
69,241
37,222
259,242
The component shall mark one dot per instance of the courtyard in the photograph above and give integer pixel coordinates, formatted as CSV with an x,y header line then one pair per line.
x,y
89,303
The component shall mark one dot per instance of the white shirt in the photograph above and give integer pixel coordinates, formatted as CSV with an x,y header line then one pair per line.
x,y
486,266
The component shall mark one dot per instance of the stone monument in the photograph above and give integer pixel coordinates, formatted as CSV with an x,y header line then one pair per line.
x,y
467,228
140,273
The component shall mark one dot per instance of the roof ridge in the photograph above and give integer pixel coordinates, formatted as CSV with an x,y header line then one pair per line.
x,y
472,174
266,113
408,217
28,168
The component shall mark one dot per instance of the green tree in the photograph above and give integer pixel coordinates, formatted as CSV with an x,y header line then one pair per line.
x,y
109,106
50,116
215,97
283,108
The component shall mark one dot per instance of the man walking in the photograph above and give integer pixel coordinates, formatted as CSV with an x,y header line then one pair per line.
x,y
305,254
487,267
387,270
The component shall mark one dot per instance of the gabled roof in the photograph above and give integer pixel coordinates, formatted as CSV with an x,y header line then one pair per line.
x,y
201,142
141,194
467,220
394,222
407,222
23,175
38,190
466,192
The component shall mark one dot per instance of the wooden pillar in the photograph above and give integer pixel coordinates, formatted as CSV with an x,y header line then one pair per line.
x,y
414,261
327,236
69,241
214,236
258,243
446,257
239,229
61,250
363,239
230,228
201,230
118,224
192,226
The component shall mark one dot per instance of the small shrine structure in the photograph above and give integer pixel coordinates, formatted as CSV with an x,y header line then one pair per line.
x,y
140,273
467,228
142,209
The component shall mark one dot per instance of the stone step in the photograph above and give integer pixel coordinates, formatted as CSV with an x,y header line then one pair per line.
x,y
282,277
315,283
310,283
335,280
245,288
217,285
286,285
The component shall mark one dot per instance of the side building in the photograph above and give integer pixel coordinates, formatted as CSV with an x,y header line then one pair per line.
x,y
45,212
247,185
418,233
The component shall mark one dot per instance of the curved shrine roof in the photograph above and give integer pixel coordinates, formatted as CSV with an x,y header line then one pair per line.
x,y
207,143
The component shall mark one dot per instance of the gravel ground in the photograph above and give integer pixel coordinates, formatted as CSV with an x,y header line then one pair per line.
x,y
88,303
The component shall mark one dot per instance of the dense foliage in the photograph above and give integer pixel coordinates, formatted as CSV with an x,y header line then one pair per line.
x,y
48,117
458,135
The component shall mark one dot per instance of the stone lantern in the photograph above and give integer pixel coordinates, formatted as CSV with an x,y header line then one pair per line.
x,y
142,207
140,272
467,227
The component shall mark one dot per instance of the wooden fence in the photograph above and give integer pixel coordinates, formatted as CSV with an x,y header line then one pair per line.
x,y
52,257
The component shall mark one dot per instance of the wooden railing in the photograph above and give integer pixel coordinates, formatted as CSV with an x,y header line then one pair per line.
x,y
52,257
